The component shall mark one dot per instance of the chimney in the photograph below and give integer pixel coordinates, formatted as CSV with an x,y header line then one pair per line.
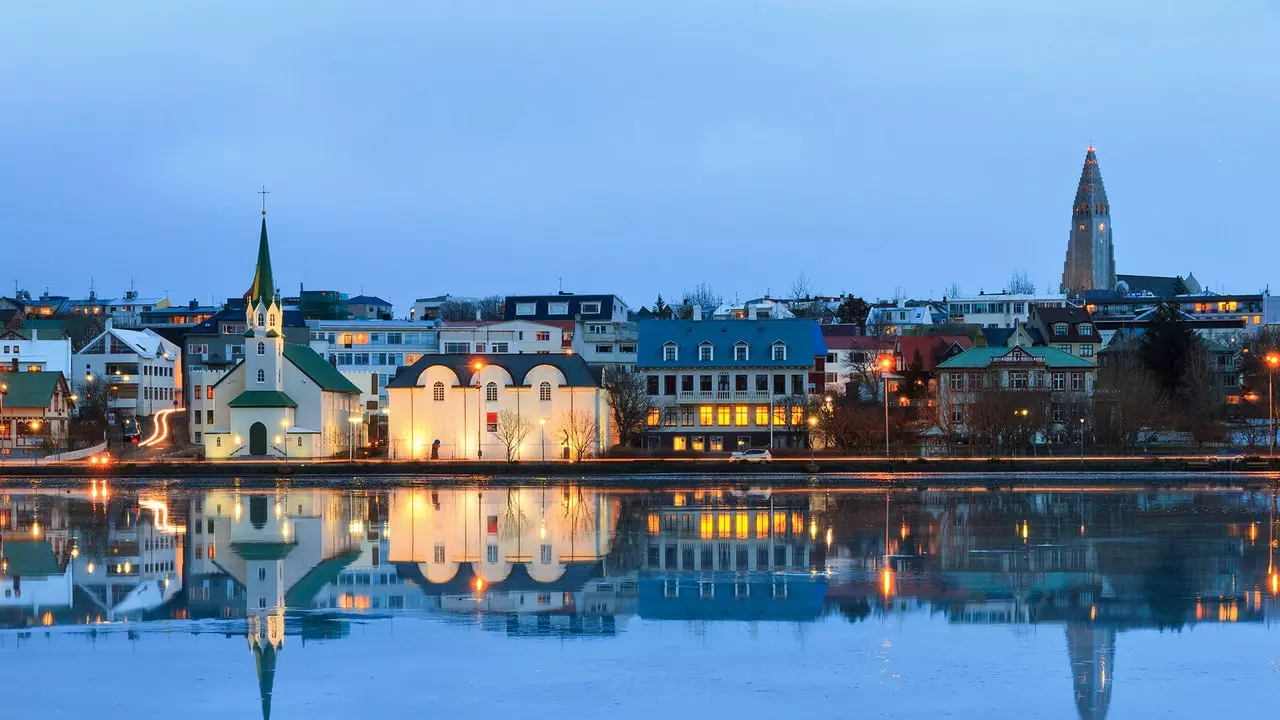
x,y
697,313
35,334
477,314
193,305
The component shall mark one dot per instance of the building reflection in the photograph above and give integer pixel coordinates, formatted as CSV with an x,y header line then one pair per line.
x,y
573,561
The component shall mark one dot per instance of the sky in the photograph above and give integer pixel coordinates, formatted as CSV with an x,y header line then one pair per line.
x,y
634,147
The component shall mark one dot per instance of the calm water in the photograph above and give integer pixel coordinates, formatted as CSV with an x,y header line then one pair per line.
x,y
553,601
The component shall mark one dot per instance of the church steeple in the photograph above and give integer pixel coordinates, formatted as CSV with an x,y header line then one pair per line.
x,y
1091,196
263,289
1090,262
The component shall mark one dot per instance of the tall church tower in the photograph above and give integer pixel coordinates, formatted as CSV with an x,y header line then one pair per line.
x,y
264,318
1091,263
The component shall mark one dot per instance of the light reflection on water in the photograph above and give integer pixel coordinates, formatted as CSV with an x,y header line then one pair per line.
x,y
567,563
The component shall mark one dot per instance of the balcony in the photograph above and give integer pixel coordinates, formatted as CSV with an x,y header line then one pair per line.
x,y
722,396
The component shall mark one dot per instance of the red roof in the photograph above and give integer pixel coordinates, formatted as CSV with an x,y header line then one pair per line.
x,y
841,341
909,345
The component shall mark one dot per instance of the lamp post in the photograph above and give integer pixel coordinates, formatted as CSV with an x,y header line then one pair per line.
x,y
478,366
542,429
4,390
813,424
284,427
1272,361
1082,442
353,420
885,363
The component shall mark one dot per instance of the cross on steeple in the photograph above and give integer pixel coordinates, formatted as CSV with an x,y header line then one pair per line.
x,y
264,192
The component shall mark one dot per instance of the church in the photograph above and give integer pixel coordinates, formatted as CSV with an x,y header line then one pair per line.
x,y
281,401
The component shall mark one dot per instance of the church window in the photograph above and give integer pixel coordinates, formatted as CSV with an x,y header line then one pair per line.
x,y
491,392
544,390
437,392
262,375
260,318
272,319
262,348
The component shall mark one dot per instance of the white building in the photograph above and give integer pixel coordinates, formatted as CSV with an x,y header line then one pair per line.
x,y
35,350
126,312
892,319
142,370
282,400
1000,310
361,348
454,404
607,342
514,337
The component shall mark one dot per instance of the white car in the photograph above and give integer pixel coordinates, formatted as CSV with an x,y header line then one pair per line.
x,y
758,455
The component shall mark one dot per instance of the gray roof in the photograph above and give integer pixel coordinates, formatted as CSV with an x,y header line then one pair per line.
x,y
574,368
801,336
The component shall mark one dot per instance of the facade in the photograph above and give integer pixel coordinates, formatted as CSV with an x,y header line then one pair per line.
x,y
1091,262
722,385
514,337
1068,329
452,407
34,407
566,307
853,361
1000,310
281,400
606,342
429,308
375,349
176,316
142,370
369,307
1250,312
35,350
126,312
1046,375
755,309
898,317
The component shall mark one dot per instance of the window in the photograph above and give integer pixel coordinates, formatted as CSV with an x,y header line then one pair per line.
x,y
526,308
1056,413
740,415
544,555
491,553
217,441
668,384
1085,329
262,375
1077,382
437,392
195,418
208,393
262,348
457,348
686,383
480,347
544,391
779,351
195,395
437,554
543,335
742,352
1019,308
558,308
491,392
722,415
1086,351
652,420
626,348
260,319
670,353
1060,329
651,383
1018,379
271,319
686,416
1059,381
706,416
706,353
604,349
956,380
669,417
589,308
500,348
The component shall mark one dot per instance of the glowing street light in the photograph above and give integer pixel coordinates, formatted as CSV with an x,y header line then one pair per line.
x,y
886,362
1272,361
813,424
542,428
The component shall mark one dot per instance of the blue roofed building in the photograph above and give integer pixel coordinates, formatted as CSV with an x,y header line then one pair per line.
x,y
723,385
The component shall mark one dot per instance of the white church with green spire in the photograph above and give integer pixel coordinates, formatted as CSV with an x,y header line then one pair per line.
x,y
280,401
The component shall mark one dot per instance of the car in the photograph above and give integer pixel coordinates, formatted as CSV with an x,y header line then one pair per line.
x,y
756,455
101,459
1227,456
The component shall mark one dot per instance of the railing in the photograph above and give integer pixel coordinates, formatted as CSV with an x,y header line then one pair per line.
x,y
724,396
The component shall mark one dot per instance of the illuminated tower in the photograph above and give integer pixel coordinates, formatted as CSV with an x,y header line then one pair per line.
x,y
1092,652
1091,263
264,318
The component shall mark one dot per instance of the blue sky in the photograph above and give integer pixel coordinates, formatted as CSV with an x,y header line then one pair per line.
x,y
633,146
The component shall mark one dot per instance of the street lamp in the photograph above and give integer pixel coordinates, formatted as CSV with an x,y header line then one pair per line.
x,y
1272,361
478,366
1082,443
813,423
886,362
353,420
542,428
284,427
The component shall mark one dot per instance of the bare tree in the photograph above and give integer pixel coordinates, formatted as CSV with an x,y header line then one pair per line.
x,y
1197,399
629,401
490,307
457,310
700,296
579,432
952,290
800,287
1020,283
1129,406
513,428
91,401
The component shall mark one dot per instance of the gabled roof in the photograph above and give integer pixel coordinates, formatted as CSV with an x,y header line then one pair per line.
x,y
800,336
367,300
318,369
262,399
909,345
143,342
576,371
978,358
30,559
31,389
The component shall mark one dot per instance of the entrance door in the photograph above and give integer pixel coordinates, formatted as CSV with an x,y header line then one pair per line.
x,y
258,439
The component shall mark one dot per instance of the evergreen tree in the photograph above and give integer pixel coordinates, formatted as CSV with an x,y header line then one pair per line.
x,y
1179,286
853,310
660,309
1167,347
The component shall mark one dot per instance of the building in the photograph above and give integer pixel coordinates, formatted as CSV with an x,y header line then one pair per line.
x,y
42,307
320,304
176,316
514,337
371,352
429,308
127,311
606,342
1091,262
853,361
34,407
755,309
281,400
999,310
1249,312
142,370
454,406
35,349
721,385
1070,329
903,315
369,307
565,306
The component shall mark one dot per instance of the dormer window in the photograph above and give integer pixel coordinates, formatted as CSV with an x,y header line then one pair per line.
x,y
779,351
706,352
526,308
1060,329
590,308
1086,329
741,352
670,352
558,308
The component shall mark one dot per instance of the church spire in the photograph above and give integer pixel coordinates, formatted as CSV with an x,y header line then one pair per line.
x,y
263,288
1090,262
265,658
1091,196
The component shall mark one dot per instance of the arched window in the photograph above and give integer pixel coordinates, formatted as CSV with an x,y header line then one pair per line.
x,y
262,375
262,348
544,390
491,392
259,318
272,320
437,392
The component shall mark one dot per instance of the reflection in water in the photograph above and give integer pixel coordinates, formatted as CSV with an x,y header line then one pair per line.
x,y
571,561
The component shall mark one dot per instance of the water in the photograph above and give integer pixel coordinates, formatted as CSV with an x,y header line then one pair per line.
x,y
558,600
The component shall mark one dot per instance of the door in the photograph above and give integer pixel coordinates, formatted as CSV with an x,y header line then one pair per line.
x,y
258,439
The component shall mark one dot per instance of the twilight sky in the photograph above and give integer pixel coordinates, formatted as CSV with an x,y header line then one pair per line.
x,y
630,146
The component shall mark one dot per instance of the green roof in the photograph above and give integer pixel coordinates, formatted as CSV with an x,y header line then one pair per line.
x,y
264,288
49,329
262,551
307,588
30,558
262,399
30,389
318,369
981,357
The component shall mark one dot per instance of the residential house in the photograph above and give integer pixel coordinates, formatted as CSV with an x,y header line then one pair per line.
x,y
44,306
915,361
281,400
35,349
903,316
451,406
142,370
428,308
126,312
34,407
756,309
515,337
370,352
369,307
853,361
721,385
1070,329
606,342
1000,310
176,316
1224,351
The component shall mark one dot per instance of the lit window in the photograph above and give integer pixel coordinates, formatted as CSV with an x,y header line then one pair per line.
x,y
722,415
705,415
740,415
491,392
762,415
653,418
544,391
543,335
437,392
